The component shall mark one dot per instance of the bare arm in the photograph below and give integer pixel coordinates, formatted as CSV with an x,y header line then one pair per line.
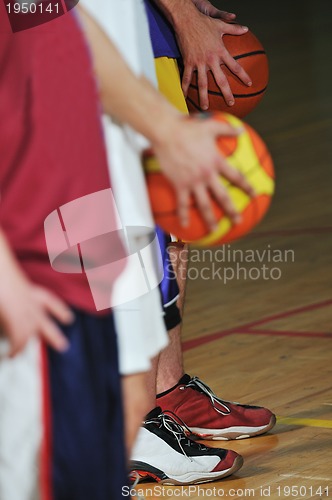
x,y
208,9
186,149
26,309
199,28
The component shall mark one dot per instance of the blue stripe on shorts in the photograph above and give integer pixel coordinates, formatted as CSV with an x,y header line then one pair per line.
x,y
169,288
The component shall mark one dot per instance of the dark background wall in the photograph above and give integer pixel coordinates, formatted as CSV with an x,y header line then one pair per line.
x,y
295,116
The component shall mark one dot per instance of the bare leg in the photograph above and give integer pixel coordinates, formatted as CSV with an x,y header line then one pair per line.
x,y
170,366
139,397
151,383
135,405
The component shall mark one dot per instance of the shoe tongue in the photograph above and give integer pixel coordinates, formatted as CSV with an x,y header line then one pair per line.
x,y
185,379
154,413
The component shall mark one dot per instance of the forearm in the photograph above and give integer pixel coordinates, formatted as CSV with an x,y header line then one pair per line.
x,y
9,267
177,11
125,97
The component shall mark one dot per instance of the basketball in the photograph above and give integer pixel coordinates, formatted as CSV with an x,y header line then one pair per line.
x,y
250,53
246,153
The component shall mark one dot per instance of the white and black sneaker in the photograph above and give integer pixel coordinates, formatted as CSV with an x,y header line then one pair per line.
x,y
165,454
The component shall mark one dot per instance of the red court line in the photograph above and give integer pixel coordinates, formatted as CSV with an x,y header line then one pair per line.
x,y
291,232
248,328
191,344
287,333
287,314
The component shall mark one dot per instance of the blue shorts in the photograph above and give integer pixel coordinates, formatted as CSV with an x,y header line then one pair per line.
x,y
87,439
168,287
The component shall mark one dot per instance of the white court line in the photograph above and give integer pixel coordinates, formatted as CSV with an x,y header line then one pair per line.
x,y
307,477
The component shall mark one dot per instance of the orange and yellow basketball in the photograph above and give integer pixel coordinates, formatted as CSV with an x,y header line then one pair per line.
x,y
246,153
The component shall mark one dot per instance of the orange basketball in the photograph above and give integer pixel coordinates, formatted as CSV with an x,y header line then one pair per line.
x,y
250,53
247,153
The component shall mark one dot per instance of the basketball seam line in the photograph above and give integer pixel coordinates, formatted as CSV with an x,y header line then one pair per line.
x,y
249,54
193,104
237,96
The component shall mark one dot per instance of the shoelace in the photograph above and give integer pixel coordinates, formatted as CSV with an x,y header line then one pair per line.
x,y
196,382
133,486
167,421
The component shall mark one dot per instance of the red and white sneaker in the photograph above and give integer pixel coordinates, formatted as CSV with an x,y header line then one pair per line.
x,y
165,454
209,417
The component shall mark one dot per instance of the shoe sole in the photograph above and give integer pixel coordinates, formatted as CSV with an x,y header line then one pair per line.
x,y
233,433
209,477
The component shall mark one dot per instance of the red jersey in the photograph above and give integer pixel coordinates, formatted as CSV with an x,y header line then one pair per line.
x,y
51,144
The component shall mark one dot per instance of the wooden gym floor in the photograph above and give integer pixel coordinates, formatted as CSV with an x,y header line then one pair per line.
x,y
269,341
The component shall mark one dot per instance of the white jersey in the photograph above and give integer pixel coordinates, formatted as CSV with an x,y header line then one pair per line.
x,y
136,301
